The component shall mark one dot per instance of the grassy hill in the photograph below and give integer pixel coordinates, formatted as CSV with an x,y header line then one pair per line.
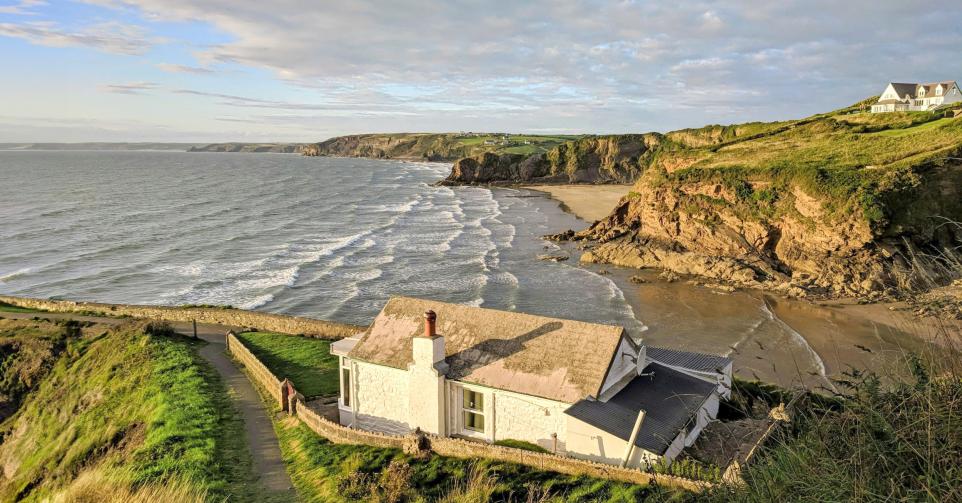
x,y
115,415
433,146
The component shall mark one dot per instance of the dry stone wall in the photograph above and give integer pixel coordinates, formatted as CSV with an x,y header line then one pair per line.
x,y
256,370
222,316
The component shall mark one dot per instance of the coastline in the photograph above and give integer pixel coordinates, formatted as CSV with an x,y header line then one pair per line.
x,y
771,338
587,202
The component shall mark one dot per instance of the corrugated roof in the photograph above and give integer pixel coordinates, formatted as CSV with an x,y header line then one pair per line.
x,y
669,398
695,361
558,359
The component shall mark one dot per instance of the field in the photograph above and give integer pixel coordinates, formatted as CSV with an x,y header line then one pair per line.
x,y
307,362
515,144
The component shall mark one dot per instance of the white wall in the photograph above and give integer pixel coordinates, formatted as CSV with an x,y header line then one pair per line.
x,y
585,441
510,415
380,398
624,363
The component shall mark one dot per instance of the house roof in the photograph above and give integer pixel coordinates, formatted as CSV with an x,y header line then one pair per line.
x,y
670,399
912,89
700,362
557,359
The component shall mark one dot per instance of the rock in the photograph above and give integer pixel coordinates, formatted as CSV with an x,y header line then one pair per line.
x,y
668,276
561,236
603,272
553,258
638,280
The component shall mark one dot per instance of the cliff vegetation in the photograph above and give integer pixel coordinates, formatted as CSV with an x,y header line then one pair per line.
x,y
433,147
102,414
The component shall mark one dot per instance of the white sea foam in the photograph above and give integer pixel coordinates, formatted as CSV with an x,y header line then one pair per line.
x,y
15,274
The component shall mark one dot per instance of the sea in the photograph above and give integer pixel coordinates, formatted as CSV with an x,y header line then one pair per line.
x,y
335,238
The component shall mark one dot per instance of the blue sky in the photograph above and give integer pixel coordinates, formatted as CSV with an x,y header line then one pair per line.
x,y
298,70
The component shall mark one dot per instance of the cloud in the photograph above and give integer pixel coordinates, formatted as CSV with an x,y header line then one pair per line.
x,y
539,65
113,37
22,8
174,68
128,88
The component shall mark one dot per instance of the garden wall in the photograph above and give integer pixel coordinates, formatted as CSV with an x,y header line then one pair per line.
x,y
222,316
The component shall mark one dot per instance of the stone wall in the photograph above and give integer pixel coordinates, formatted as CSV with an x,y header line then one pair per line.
x,y
222,316
256,370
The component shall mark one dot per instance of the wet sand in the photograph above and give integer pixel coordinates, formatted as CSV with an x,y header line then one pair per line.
x,y
587,202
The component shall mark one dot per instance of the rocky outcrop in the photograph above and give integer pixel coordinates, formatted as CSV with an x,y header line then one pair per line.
x,y
594,159
793,243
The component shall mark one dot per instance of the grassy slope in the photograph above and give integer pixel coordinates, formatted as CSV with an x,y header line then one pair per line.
x,y
850,160
323,471
307,362
879,443
128,408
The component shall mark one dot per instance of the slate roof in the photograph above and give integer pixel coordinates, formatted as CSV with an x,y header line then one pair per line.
x,y
671,400
562,360
695,361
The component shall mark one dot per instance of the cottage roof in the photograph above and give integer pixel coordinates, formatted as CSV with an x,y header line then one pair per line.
x,y
670,399
563,360
701,362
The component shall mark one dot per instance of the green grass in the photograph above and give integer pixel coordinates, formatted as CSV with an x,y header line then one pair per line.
x,y
17,309
897,442
916,129
323,471
307,362
136,409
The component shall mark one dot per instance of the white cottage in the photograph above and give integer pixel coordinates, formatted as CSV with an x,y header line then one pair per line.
x,y
580,389
911,97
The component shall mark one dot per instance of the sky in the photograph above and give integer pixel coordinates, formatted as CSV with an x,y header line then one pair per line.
x,y
306,70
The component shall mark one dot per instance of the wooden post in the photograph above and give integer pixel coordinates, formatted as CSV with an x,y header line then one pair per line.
x,y
634,435
195,328
284,395
554,443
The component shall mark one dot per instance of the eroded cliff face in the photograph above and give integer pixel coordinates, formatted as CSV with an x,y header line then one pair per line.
x,y
595,159
432,147
794,242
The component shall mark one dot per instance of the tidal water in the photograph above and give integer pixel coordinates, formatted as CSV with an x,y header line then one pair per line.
x,y
331,238
334,238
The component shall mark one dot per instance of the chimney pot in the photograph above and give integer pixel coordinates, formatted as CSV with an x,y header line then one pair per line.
x,y
429,323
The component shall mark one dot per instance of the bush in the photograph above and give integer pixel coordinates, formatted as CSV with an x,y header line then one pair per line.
x,y
159,329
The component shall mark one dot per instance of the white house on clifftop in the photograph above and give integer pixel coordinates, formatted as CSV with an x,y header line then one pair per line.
x,y
903,97
579,389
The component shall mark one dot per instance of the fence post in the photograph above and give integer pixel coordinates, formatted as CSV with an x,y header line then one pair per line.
x,y
284,395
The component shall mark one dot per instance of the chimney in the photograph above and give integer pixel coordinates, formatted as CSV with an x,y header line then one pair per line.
x,y
430,318
426,379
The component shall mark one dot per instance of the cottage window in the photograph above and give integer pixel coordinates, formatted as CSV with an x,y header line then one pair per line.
x,y
473,410
346,386
938,91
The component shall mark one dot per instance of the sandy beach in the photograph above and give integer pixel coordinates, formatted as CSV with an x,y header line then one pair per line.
x,y
587,202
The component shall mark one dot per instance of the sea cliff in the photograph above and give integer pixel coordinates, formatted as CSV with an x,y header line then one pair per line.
x,y
838,205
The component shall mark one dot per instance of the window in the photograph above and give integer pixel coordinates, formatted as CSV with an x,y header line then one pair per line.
x,y
346,386
473,410
938,91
